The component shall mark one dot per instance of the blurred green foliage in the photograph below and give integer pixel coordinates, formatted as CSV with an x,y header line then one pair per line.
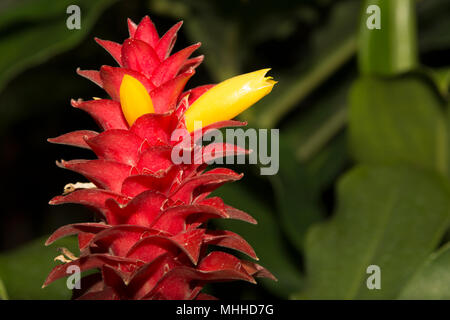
x,y
398,120
24,270
45,34
431,280
266,238
392,49
392,217
375,129
3,293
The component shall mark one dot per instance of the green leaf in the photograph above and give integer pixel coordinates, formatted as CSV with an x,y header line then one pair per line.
x,y
398,120
393,217
432,280
392,49
3,293
25,269
265,237
44,34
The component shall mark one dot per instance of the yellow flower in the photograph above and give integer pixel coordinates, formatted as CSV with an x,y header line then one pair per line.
x,y
229,98
134,99
222,102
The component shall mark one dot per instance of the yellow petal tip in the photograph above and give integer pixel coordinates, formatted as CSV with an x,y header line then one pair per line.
x,y
229,98
134,99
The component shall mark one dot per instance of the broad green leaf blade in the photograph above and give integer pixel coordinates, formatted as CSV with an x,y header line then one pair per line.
x,y
265,237
41,39
391,49
3,293
397,120
432,280
393,217
25,269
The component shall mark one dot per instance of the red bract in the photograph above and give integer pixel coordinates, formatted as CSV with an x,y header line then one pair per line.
x,y
152,241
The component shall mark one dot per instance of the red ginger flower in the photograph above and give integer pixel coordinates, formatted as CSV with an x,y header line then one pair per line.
x,y
152,241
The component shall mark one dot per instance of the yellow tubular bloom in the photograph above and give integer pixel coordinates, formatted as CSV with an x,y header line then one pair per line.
x,y
134,99
229,98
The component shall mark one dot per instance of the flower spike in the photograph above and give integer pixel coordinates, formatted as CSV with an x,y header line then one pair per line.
x,y
134,99
229,98
153,240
